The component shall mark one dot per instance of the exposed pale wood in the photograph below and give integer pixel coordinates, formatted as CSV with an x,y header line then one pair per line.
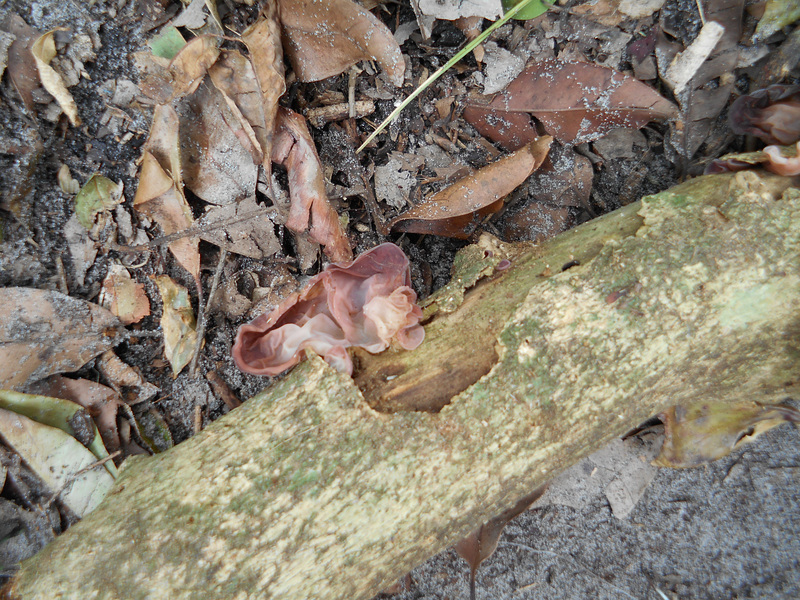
x,y
307,492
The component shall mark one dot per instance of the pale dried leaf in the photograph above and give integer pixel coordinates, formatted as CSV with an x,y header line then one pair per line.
x,y
45,332
252,236
191,64
65,181
123,296
43,51
177,323
323,39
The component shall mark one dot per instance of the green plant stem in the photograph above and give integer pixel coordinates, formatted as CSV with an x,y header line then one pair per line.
x,y
459,55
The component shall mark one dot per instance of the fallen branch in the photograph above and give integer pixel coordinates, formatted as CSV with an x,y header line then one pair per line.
x,y
307,492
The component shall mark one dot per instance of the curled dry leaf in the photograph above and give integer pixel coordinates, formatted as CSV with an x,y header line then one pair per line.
x,y
44,50
576,102
177,323
123,296
66,182
366,304
322,39
44,332
191,64
481,543
458,209
159,195
120,375
263,40
100,194
703,433
59,460
310,208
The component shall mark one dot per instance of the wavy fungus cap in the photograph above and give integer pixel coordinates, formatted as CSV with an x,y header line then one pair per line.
x,y
365,303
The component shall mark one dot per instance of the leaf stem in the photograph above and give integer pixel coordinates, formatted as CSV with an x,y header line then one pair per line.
x,y
459,55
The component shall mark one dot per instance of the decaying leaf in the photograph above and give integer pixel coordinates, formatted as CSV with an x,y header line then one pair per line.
x,y
481,543
310,208
458,209
777,15
322,39
177,323
100,194
57,459
191,64
219,160
123,296
252,236
21,69
167,43
44,332
59,412
263,40
44,50
159,195
66,182
703,433
576,102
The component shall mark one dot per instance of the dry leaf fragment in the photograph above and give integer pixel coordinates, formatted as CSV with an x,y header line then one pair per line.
x,y
703,433
159,196
578,102
323,39
191,64
123,296
310,208
458,209
481,543
100,194
67,184
177,323
44,332
263,40
21,69
44,50
121,375
252,236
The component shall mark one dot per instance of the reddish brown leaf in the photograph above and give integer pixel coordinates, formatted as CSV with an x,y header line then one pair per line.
x,y
322,39
580,102
294,148
458,209
481,543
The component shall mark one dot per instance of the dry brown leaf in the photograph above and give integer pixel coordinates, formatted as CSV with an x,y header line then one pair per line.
x,y
177,323
44,332
191,64
578,102
263,40
310,208
220,162
159,196
21,69
252,236
703,433
120,375
458,209
322,39
481,543
43,51
123,296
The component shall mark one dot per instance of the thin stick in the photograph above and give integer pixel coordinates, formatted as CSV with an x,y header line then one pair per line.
x,y
71,479
203,312
459,55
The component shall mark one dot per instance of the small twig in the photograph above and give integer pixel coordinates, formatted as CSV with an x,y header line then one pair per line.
x,y
71,479
203,312
194,231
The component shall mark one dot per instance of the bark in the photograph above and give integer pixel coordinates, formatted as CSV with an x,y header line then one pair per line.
x,y
307,492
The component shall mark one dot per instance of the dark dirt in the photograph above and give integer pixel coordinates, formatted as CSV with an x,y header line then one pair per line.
x,y
725,531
